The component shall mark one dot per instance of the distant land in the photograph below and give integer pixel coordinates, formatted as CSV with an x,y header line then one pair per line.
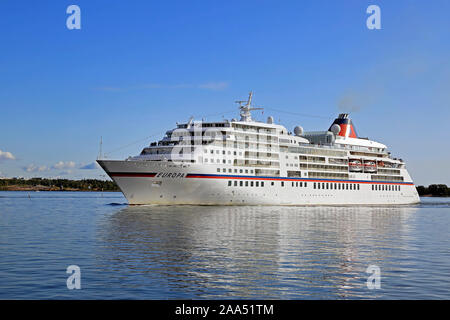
x,y
434,190
43,184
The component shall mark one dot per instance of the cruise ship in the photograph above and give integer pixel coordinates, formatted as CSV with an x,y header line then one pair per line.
x,y
248,162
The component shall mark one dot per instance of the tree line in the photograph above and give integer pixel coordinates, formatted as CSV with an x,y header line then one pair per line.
x,y
434,190
57,184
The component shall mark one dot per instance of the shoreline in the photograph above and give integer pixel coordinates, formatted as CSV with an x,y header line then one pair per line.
x,y
44,189
44,184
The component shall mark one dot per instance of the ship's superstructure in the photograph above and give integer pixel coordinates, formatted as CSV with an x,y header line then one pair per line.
x,y
247,162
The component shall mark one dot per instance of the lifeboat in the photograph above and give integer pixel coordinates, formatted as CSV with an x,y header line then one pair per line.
x,y
355,165
370,166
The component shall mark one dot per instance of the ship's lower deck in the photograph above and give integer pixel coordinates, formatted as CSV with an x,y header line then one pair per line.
x,y
170,184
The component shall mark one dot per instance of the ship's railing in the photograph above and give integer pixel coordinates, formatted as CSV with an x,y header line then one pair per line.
x,y
312,161
386,178
327,169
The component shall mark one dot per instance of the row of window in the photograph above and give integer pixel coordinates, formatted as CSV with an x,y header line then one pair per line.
x,y
223,152
292,164
237,183
217,161
383,187
246,183
316,185
236,170
336,186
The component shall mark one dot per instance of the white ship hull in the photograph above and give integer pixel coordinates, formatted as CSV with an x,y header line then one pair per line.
x,y
159,182
249,162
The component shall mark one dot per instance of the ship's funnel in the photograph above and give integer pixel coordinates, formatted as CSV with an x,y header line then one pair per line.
x,y
346,126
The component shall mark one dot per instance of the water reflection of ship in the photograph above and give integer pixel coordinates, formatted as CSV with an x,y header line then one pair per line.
x,y
250,252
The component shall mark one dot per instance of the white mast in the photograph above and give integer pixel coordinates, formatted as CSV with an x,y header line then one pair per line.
x,y
245,109
100,156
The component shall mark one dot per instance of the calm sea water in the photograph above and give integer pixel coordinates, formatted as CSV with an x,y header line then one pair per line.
x,y
190,252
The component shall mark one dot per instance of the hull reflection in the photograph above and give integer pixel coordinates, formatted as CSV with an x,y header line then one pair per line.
x,y
254,252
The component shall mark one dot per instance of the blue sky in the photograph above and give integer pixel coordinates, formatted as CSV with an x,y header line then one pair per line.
x,y
137,67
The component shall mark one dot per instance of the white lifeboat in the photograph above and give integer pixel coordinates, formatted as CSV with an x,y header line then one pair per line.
x,y
370,166
355,165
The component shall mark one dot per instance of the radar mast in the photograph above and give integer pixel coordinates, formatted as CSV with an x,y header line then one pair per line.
x,y
246,108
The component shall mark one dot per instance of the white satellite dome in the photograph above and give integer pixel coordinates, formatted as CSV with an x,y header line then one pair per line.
x,y
335,128
298,131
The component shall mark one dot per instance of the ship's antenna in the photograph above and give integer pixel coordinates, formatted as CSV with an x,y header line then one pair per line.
x,y
191,119
245,109
250,96
100,151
